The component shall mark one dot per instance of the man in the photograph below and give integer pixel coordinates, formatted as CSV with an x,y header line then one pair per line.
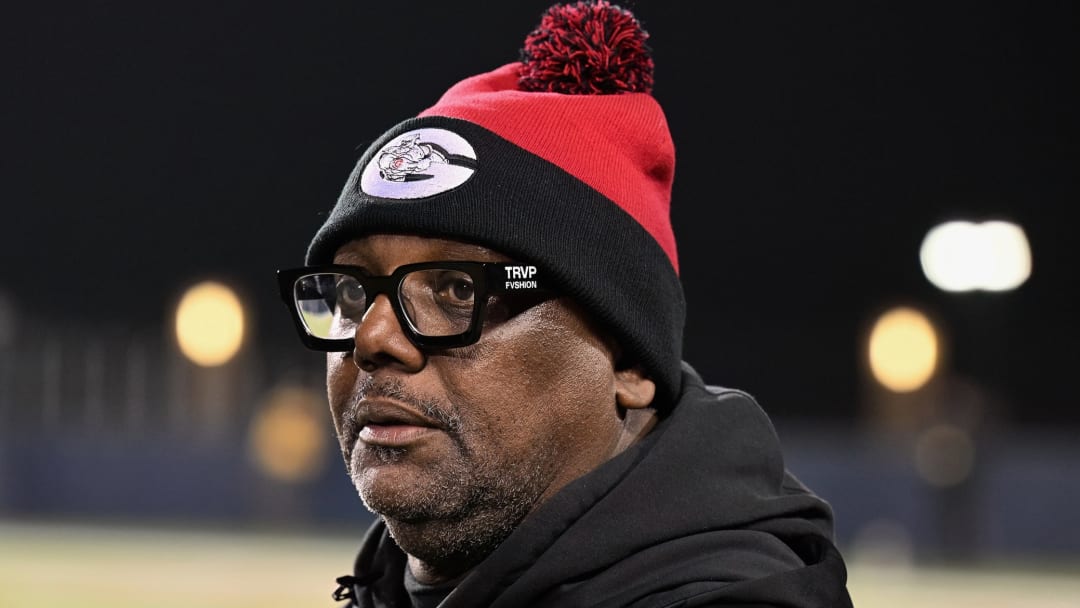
x,y
497,289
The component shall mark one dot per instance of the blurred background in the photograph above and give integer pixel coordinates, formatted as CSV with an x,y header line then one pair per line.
x,y
871,205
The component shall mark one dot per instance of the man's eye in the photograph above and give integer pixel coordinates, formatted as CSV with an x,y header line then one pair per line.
x,y
350,294
455,287
462,290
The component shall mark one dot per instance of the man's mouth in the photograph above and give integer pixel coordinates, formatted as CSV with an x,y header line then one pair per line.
x,y
393,435
390,424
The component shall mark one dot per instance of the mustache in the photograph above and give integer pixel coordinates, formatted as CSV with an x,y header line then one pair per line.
x,y
445,416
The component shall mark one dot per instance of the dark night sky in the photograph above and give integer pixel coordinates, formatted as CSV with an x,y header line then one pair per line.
x,y
147,145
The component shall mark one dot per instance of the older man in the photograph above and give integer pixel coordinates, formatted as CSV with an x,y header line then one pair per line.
x,y
497,288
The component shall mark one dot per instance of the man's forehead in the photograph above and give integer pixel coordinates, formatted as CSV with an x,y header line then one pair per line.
x,y
397,249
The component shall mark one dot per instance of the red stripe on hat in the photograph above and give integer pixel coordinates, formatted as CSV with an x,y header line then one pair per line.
x,y
617,144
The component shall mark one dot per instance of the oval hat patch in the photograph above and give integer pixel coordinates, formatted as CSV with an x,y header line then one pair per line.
x,y
418,164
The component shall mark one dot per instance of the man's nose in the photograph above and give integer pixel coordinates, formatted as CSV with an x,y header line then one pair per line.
x,y
379,341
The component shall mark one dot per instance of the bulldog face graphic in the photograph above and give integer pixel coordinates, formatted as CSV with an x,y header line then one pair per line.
x,y
419,163
408,158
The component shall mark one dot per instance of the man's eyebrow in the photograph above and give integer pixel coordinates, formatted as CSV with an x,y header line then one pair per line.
x,y
350,259
475,252
449,251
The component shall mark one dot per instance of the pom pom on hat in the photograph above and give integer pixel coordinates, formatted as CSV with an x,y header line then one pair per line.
x,y
587,48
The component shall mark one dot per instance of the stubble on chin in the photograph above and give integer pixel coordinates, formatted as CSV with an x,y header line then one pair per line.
x,y
455,510
462,516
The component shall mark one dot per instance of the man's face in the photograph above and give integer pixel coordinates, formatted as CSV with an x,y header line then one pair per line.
x,y
454,447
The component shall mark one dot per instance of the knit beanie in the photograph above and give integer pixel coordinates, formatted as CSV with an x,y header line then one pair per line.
x,y
562,160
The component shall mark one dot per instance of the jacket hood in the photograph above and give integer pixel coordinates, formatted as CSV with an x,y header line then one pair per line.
x,y
701,511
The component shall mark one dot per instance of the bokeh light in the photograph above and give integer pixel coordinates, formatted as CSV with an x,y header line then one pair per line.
x,y
944,455
967,256
903,350
289,434
884,542
210,324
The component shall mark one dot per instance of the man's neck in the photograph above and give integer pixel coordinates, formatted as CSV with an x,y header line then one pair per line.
x,y
427,574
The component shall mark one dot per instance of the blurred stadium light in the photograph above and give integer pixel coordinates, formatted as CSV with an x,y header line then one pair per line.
x,y
944,454
903,349
210,323
968,256
289,435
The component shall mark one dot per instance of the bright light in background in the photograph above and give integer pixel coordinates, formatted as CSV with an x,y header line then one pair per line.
x,y
944,455
289,434
965,256
903,350
210,324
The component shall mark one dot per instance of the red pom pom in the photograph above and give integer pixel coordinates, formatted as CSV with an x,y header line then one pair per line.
x,y
587,48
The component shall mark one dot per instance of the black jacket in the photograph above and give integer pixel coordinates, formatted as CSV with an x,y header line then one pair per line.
x,y
701,512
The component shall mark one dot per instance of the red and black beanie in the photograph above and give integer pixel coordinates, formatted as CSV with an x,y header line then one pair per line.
x,y
563,160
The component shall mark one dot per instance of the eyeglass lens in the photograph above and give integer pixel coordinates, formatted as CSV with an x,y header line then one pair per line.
x,y
435,302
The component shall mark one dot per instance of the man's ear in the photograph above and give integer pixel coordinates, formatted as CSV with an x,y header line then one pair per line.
x,y
633,389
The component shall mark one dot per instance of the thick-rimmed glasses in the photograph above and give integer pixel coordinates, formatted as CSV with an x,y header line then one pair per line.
x,y
437,304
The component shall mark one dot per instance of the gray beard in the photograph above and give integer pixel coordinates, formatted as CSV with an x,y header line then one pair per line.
x,y
466,506
459,516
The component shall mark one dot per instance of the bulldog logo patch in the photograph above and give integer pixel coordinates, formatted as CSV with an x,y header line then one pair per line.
x,y
418,164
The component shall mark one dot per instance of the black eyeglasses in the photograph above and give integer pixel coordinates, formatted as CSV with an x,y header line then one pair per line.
x,y
437,304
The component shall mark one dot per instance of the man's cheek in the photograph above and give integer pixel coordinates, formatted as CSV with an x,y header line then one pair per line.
x,y
340,378
337,367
